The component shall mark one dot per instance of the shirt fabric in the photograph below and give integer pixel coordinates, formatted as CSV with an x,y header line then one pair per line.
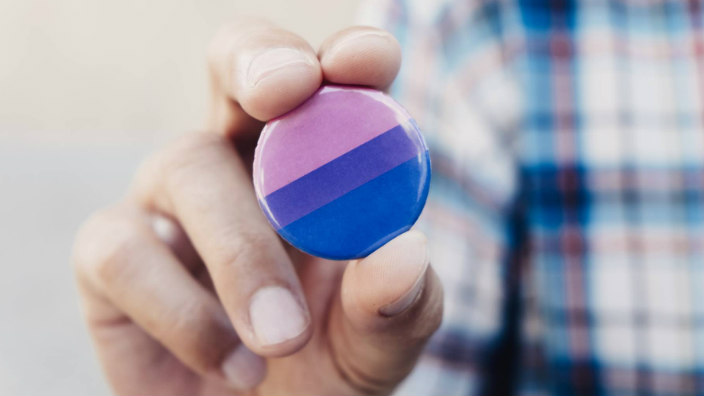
x,y
566,210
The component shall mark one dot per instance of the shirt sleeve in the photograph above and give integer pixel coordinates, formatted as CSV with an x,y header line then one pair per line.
x,y
456,80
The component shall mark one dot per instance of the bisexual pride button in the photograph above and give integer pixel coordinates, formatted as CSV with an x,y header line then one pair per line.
x,y
343,173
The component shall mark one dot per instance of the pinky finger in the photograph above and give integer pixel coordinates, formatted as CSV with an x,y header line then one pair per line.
x,y
121,258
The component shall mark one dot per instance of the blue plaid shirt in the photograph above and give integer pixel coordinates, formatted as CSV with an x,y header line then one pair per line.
x,y
566,216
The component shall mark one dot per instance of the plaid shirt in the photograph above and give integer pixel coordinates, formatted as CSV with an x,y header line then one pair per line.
x,y
566,215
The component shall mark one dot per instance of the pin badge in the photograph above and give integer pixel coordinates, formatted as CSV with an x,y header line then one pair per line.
x,y
343,173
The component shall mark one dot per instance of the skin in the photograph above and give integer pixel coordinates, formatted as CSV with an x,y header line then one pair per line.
x,y
167,275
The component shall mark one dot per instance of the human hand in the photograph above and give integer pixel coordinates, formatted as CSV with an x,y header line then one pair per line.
x,y
186,288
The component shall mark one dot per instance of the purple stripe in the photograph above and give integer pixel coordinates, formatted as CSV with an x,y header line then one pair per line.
x,y
342,175
329,124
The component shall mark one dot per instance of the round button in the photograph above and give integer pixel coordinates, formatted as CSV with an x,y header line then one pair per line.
x,y
343,173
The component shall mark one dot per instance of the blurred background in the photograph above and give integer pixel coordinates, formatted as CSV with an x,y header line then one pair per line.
x,y
87,90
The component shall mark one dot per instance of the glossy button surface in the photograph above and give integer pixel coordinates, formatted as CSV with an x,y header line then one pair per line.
x,y
343,173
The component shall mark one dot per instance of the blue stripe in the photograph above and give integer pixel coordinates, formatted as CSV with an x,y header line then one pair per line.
x,y
362,220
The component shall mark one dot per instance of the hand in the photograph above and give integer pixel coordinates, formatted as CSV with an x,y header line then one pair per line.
x,y
186,288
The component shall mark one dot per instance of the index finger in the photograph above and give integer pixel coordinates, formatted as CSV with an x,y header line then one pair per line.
x,y
259,70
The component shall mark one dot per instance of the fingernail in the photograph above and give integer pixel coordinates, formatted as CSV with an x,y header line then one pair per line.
x,y
413,294
276,316
405,301
243,369
354,40
273,61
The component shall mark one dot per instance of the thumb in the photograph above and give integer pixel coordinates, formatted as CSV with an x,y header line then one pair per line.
x,y
391,303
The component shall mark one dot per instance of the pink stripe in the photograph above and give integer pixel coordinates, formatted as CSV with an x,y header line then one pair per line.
x,y
331,123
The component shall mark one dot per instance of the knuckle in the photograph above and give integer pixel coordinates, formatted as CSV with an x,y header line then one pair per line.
x,y
190,148
111,263
243,244
103,243
181,162
214,49
202,334
188,157
222,49
219,49
84,250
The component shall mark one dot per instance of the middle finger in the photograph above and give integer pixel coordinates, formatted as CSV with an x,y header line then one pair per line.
x,y
203,184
